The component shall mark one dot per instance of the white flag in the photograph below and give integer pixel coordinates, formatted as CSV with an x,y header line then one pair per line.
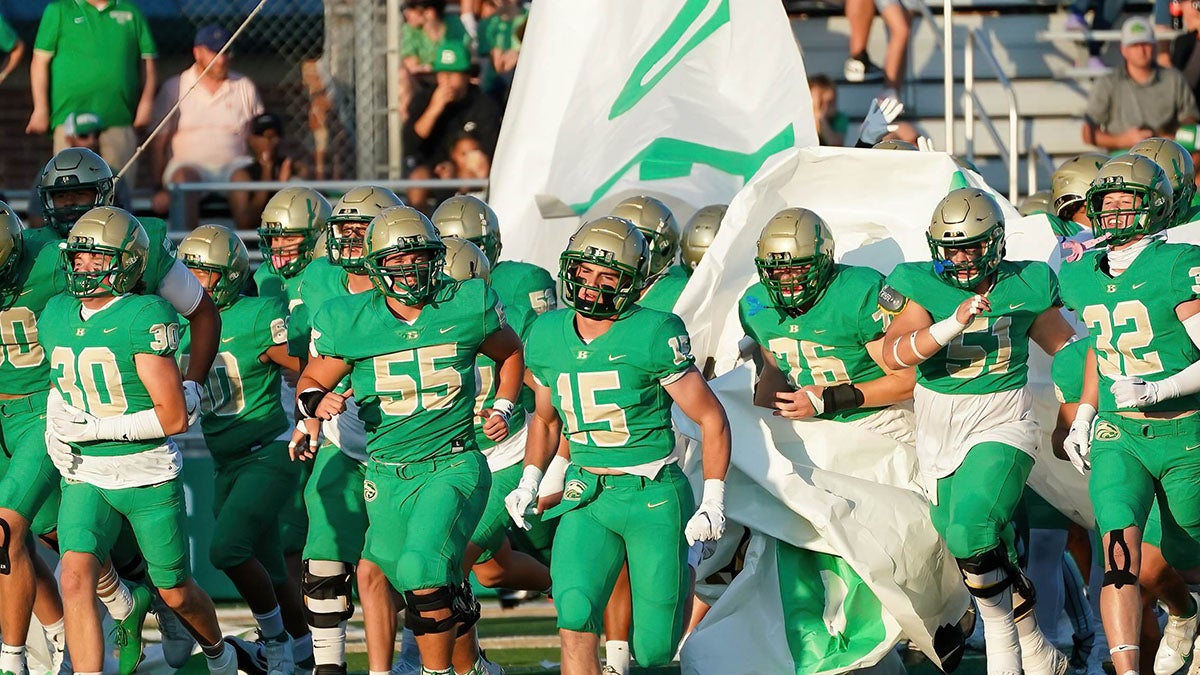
x,y
681,100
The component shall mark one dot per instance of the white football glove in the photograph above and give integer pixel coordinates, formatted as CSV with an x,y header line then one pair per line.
x,y
1078,443
925,144
878,121
708,523
192,393
522,501
75,425
60,453
1134,392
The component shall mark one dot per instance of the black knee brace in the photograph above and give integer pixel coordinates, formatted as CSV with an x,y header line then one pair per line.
x,y
460,600
327,600
989,562
5,563
1119,575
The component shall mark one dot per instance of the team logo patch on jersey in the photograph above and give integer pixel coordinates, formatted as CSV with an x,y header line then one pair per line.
x,y
1107,431
573,490
582,354
369,491
754,305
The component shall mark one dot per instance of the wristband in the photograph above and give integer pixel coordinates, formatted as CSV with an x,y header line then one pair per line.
x,y
1085,414
714,492
555,477
308,400
842,397
946,330
502,407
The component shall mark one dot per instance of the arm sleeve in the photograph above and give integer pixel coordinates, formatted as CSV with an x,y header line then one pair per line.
x,y
270,326
146,44
154,330
671,350
322,340
871,325
493,312
47,32
1055,292
8,37
180,288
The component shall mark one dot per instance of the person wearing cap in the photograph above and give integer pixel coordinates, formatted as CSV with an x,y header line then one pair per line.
x,y
206,140
81,130
1139,100
427,28
85,57
437,119
11,45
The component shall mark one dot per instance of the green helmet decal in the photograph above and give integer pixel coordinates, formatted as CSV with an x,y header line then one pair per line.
x,y
468,217
966,219
113,233
657,224
348,223
217,249
1152,206
613,244
72,170
699,234
1176,163
404,230
795,258
294,212
465,260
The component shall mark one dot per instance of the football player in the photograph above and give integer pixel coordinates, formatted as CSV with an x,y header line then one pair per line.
x,y
699,234
333,495
1038,202
820,330
1177,164
965,321
1068,185
1138,298
426,483
117,397
666,278
246,431
605,372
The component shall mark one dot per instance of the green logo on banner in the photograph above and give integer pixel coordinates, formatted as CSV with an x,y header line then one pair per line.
x,y
664,158
832,617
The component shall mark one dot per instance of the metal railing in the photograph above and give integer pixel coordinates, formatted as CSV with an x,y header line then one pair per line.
x,y
945,42
1037,157
1009,152
177,211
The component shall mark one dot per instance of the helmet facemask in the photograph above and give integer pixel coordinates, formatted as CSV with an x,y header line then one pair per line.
x,y
968,273
411,283
116,277
62,218
341,244
1122,223
290,258
605,301
794,283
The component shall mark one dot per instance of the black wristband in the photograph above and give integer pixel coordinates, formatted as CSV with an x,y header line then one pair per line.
x,y
842,397
308,400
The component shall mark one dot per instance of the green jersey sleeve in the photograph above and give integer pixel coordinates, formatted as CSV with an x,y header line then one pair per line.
x,y
1067,371
671,351
8,37
47,32
161,254
871,318
271,326
154,329
1184,277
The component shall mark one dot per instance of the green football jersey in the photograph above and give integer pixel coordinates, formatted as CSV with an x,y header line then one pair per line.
x,y
990,355
23,366
1131,318
322,281
1066,372
92,360
160,256
270,284
241,407
665,291
414,383
609,391
526,292
826,345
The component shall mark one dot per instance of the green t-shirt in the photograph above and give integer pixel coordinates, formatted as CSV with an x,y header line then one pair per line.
x,y
665,291
23,366
414,41
526,291
826,345
414,383
241,407
500,32
1131,318
92,361
271,284
97,56
1066,372
8,36
990,355
610,392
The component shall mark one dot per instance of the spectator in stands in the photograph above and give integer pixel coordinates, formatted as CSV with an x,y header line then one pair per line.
x,y
81,130
831,124
858,68
426,29
207,139
467,161
1140,99
270,164
436,119
1184,53
85,57
12,46
499,46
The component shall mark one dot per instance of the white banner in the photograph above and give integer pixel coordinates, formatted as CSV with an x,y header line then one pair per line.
x,y
682,100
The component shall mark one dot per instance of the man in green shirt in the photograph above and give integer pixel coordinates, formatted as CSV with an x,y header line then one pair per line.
x,y
426,29
85,57
11,45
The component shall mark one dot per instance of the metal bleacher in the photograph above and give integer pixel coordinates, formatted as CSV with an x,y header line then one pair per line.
x,y
1032,49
